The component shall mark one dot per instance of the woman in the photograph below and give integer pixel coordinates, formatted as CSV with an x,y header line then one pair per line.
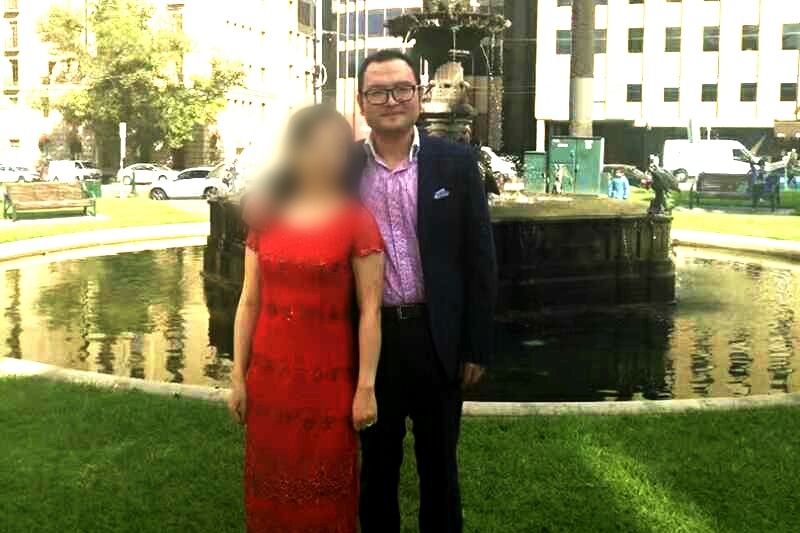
x,y
298,383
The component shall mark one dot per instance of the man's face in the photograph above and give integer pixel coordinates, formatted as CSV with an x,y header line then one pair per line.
x,y
391,116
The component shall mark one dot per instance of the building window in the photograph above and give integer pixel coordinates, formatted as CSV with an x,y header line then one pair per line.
x,y
13,31
749,92
635,40
14,71
635,92
709,92
393,13
749,37
375,21
563,41
636,1
342,64
600,41
711,39
791,36
673,40
788,92
46,107
672,94
306,13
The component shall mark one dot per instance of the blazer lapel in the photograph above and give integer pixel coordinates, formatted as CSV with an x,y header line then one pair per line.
x,y
426,167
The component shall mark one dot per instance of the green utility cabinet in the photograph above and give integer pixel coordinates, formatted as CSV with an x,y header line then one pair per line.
x,y
535,171
579,162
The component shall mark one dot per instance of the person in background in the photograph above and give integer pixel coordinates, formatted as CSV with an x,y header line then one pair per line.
x,y
618,186
303,379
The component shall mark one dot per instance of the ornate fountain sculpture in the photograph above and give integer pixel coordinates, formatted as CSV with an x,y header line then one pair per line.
x,y
446,31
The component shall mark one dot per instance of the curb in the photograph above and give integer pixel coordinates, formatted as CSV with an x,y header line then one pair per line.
x,y
18,367
754,245
89,239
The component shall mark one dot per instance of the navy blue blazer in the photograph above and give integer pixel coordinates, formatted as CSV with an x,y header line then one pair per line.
x,y
457,250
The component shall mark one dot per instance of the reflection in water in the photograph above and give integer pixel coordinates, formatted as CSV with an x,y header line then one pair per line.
x,y
151,315
12,315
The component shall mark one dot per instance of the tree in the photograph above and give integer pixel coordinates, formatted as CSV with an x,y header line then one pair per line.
x,y
129,65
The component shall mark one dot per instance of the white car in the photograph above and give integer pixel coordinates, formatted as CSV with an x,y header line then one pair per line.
x,y
189,183
146,173
71,170
16,174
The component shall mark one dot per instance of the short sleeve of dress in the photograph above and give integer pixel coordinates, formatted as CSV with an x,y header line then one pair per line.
x,y
253,237
367,238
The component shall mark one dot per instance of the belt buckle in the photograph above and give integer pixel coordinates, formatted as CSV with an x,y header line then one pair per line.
x,y
401,312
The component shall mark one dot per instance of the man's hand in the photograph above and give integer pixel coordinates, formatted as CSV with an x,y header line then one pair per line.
x,y
472,373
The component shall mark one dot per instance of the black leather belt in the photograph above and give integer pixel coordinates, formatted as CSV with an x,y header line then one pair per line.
x,y
397,313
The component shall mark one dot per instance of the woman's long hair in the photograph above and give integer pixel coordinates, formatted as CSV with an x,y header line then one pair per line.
x,y
283,184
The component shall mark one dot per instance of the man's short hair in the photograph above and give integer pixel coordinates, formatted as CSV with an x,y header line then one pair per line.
x,y
383,56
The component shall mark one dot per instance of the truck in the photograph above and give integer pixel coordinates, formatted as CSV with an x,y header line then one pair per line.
x,y
687,159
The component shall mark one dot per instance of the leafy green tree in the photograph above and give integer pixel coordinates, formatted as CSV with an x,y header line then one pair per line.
x,y
128,62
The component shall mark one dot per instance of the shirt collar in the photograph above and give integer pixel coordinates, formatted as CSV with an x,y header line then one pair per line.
x,y
412,154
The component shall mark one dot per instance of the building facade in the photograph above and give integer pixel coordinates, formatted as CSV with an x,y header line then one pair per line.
x,y
274,40
729,67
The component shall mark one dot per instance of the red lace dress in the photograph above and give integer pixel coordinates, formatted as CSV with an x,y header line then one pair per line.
x,y
301,472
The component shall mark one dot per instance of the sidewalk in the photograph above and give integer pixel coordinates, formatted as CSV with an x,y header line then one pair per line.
x,y
756,245
88,239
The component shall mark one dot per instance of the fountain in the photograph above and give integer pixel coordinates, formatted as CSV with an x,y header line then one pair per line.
x,y
555,253
444,33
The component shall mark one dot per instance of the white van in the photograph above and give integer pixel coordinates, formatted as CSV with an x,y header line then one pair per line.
x,y
72,170
686,159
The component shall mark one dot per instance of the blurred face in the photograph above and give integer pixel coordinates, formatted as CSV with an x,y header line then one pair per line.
x,y
390,99
322,159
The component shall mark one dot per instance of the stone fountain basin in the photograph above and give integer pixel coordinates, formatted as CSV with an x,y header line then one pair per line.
x,y
556,253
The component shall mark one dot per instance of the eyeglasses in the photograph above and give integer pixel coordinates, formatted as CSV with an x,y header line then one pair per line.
x,y
401,94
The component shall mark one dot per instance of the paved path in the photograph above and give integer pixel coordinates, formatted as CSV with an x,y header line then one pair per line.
x,y
756,245
88,239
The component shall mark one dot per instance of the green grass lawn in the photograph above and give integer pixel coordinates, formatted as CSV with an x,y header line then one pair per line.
x,y
714,218
122,213
76,459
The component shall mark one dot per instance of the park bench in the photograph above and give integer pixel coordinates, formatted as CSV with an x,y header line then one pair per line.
x,y
46,197
732,186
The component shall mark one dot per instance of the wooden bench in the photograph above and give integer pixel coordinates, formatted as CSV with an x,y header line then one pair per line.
x,y
46,197
733,186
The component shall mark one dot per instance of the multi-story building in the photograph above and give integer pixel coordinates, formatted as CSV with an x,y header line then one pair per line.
x,y
730,67
274,40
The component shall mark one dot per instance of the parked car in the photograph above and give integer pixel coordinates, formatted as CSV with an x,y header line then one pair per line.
x,y
190,183
636,177
71,170
686,159
15,173
146,173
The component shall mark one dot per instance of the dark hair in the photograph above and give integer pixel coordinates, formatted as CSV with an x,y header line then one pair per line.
x,y
298,131
383,56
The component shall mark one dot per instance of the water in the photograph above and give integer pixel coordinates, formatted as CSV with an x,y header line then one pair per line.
x,y
145,315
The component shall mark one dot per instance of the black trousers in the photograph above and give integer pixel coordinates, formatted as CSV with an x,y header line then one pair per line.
x,y
411,383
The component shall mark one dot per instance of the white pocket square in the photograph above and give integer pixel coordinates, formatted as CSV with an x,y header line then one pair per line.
x,y
441,193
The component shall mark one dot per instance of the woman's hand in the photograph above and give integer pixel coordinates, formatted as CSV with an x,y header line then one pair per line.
x,y
237,402
365,408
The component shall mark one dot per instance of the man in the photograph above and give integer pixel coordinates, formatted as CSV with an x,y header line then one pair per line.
x,y
441,283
